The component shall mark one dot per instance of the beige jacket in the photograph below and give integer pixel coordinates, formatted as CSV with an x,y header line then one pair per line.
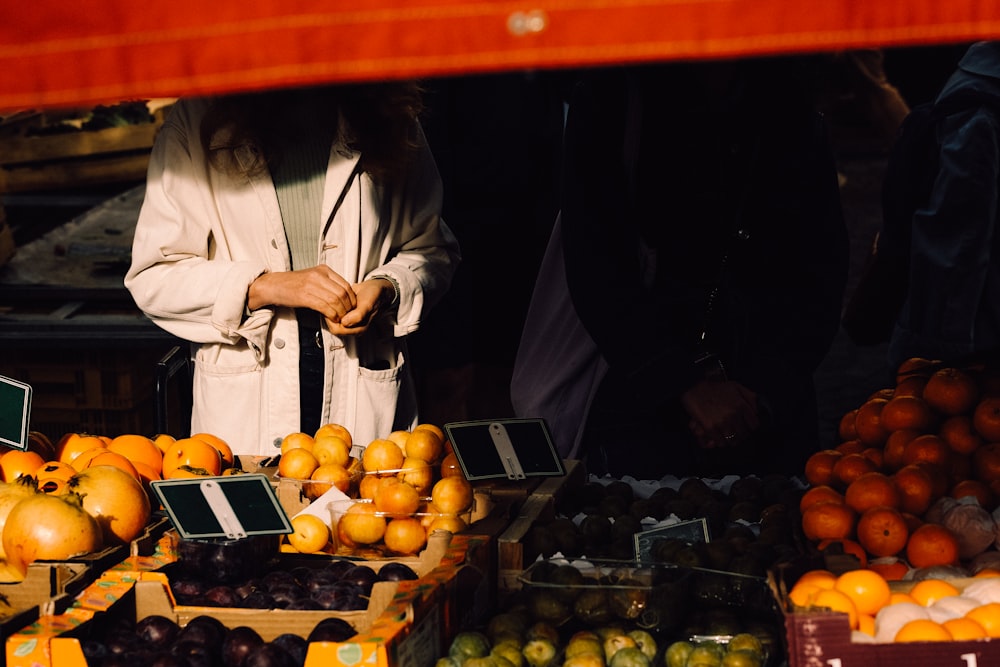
x,y
203,236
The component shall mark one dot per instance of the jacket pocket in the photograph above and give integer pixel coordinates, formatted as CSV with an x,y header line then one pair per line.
x,y
384,403
228,396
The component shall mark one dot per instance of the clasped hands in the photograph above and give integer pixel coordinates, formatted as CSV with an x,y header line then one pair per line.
x,y
347,308
722,413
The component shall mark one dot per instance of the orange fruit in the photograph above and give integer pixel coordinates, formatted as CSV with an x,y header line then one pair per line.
x,y
326,476
224,449
916,488
923,630
330,448
882,531
911,386
452,495
931,544
16,463
54,470
297,440
927,447
451,523
986,418
916,367
297,463
335,429
875,455
361,524
929,591
395,498
958,433
868,422
81,461
975,488
868,590
964,629
819,467
846,429
405,536
399,437
828,521
816,494
162,440
872,489
850,467
72,445
310,534
417,473
836,600
907,412
951,391
110,458
382,455
988,616
138,448
426,444
450,467
851,447
819,577
802,594
891,569
847,547
194,453
986,462
939,478
866,624
371,482
892,452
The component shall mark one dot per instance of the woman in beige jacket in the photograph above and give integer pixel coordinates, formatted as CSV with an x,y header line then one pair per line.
x,y
295,239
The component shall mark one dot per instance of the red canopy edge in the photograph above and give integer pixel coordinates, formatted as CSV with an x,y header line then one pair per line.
x,y
96,51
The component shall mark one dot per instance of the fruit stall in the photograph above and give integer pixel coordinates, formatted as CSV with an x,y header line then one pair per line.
x,y
119,544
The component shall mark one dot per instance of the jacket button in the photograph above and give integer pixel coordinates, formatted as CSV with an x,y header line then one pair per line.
x,y
279,343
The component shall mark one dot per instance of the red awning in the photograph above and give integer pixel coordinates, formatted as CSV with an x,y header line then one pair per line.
x,y
55,53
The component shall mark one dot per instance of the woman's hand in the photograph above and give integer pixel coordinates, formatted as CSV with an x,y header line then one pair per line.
x,y
372,295
319,288
723,413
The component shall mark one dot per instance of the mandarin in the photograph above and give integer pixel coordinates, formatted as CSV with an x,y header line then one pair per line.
x,y
872,489
931,544
850,467
819,467
837,601
951,391
923,630
868,590
976,489
988,616
986,462
845,429
986,418
907,412
882,531
822,493
929,591
892,452
828,521
916,367
964,629
846,547
868,422
916,488
928,448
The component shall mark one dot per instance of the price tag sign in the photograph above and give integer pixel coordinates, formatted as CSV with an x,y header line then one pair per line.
x,y
232,506
15,410
691,532
511,448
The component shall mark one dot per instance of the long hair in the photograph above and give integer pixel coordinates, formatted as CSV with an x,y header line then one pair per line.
x,y
377,119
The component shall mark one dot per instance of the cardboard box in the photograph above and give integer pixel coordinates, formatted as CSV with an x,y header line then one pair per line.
x,y
48,588
403,625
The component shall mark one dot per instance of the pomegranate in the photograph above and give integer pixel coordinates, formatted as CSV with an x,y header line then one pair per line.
x,y
48,527
113,497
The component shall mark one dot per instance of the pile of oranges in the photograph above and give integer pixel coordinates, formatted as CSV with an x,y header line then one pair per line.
x,y
932,436
401,488
931,609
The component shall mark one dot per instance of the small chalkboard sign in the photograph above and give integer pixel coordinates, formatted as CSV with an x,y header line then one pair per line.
x,y
693,531
15,413
511,448
230,507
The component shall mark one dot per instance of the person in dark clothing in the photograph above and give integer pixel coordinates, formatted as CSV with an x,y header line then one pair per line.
x,y
952,309
707,256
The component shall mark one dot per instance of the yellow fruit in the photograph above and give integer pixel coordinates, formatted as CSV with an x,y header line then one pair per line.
x,y
309,535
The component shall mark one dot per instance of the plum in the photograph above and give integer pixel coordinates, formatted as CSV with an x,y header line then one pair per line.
x,y
339,566
204,630
221,596
238,643
195,654
362,575
258,600
396,571
268,655
294,645
276,578
331,629
157,631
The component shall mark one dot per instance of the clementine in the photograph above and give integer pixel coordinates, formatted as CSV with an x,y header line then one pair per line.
x,y
845,429
958,433
975,488
951,391
986,462
923,630
988,616
851,447
138,448
882,531
927,447
907,412
916,489
964,629
911,386
931,544
828,521
892,453
816,494
891,568
868,590
929,591
850,467
837,601
868,422
872,489
916,367
986,418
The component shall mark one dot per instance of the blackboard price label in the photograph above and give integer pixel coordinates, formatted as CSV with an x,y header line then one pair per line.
x,y
229,507
498,448
15,413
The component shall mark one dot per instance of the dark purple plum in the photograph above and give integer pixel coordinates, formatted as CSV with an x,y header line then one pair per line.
x,y
396,571
362,575
157,631
294,645
238,643
268,655
332,629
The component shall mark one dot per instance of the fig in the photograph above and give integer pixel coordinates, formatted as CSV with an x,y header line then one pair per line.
x,y
238,643
157,631
331,629
396,571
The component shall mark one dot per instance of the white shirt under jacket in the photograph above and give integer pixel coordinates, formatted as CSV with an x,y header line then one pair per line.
x,y
203,236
